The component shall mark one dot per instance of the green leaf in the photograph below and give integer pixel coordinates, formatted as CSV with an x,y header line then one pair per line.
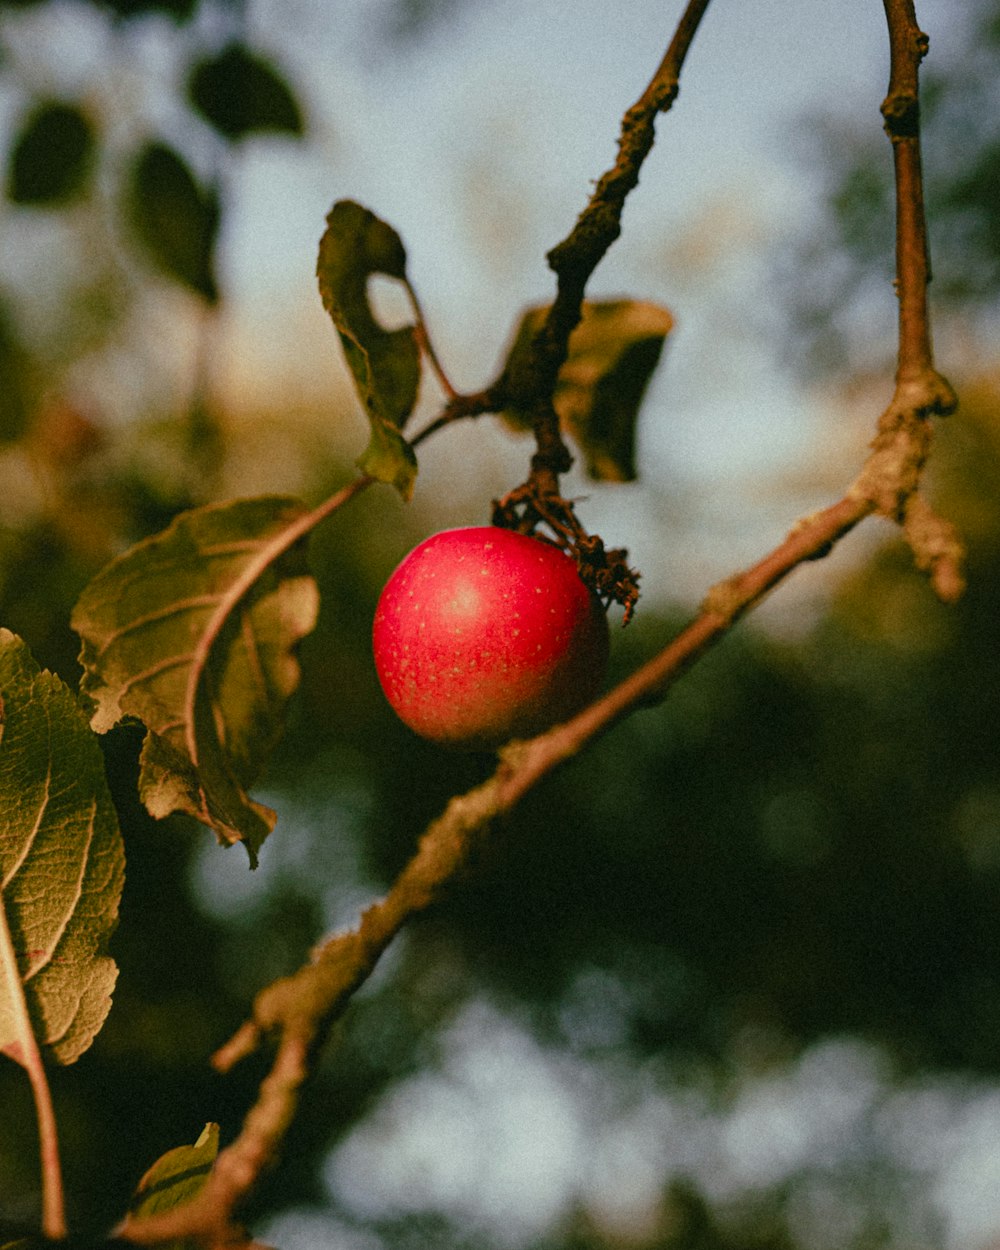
x,y
385,363
175,1178
174,218
194,631
52,156
241,93
612,355
62,866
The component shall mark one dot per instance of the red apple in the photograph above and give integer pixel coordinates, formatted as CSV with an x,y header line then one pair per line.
x,y
482,635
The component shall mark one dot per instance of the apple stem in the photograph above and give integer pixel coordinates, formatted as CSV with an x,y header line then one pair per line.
x,y
606,572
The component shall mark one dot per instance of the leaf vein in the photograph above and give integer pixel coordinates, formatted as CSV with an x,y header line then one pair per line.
x,y
164,613
154,670
254,661
58,933
267,553
29,841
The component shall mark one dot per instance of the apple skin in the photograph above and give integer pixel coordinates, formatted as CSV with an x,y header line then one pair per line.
x,y
482,635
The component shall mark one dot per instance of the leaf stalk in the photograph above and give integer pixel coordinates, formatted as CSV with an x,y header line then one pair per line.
x,y
25,1051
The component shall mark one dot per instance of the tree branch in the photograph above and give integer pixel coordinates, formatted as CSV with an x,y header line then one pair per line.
x,y
301,1008
892,476
459,408
578,255
901,112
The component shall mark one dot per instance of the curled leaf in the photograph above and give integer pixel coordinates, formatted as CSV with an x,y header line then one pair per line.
x,y
62,866
385,364
612,355
194,632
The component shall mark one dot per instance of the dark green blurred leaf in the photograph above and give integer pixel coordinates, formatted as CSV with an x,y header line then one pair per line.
x,y
179,10
52,155
241,93
385,363
175,219
612,355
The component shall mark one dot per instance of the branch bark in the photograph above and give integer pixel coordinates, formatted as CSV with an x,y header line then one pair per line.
x,y
901,112
892,475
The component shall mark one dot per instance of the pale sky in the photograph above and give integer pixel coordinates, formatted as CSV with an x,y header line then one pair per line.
x,y
480,145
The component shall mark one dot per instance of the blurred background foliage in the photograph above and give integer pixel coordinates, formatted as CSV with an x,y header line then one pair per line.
x,y
731,979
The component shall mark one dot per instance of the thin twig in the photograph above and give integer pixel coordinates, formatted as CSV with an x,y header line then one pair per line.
x,y
426,346
924,387
459,408
892,476
574,259
53,1202
302,1007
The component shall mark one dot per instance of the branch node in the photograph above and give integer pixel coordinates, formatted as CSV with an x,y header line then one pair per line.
x,y
901,112
725,600
664,94
941,399
892,471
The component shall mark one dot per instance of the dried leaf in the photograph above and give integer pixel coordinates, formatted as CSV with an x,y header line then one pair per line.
x,y
385,363
62,866
195,631
612,355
